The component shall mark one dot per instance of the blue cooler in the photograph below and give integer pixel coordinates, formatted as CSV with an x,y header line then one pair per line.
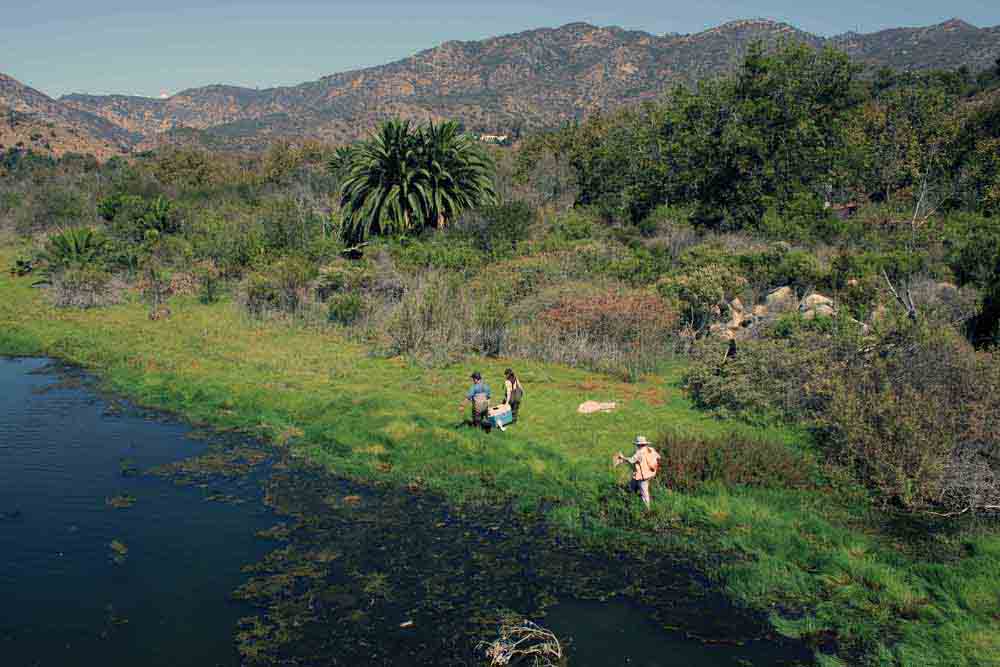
x,y
500,416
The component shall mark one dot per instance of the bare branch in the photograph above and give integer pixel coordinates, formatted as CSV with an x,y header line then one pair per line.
x,y
907,303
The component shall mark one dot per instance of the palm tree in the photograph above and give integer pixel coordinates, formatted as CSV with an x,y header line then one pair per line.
x,y
404,178
460,172
74,247
385,188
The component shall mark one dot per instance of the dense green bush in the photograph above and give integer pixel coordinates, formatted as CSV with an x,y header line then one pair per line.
x,y
231,238
701,295
131,217
343,277
280,287
575,225
497,229
345,309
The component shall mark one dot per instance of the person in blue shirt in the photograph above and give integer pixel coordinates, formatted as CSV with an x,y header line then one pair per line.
x,y
479,396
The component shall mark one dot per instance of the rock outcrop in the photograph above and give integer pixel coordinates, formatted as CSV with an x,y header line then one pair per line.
x,y
817,305
781,300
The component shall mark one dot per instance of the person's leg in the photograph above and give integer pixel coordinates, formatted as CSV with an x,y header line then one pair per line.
x,y
479,409
644,490
514,407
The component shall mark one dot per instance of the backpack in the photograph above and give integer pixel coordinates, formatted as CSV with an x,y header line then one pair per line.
x,y
517,393
655,467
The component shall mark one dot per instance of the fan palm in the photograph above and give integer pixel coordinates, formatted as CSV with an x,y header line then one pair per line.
x,y
385,190
460,172
74,247
404,178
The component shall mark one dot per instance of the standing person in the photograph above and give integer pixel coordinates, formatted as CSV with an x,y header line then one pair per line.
x,y
645,463
479,396
514,392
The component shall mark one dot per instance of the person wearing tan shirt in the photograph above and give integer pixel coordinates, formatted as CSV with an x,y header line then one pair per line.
x,y
513,393
645,463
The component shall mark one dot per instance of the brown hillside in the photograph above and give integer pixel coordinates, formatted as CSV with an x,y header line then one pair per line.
x,y
530,79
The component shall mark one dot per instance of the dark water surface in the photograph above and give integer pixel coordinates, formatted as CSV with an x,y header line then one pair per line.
x,y
344,574
64,600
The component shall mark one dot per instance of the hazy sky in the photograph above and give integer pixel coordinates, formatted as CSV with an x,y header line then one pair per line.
x,y
144,48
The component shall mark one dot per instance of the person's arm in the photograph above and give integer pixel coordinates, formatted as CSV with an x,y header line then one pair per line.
x,y
628,459
508,389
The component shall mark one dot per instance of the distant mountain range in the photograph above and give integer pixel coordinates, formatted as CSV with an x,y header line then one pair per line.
x,y
530,79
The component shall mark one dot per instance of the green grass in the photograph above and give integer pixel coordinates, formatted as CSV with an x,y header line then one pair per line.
x,y
817,561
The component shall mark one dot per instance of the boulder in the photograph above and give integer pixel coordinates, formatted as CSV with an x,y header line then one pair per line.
x,y
822,310
736,305
760,311
814,301
781,300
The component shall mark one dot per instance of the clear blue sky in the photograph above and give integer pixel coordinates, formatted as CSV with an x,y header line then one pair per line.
x,y
142,48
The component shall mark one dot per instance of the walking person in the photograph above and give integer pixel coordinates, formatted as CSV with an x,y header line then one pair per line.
x,y
513,393
645,464
479,396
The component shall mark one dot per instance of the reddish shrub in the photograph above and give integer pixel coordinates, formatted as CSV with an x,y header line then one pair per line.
x,y
734,461
622,317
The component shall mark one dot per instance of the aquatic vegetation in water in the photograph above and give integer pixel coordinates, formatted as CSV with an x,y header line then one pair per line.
x,y
112,621
119,552
228,498
127,467
278,531
376,585
418,581
221,461
123,501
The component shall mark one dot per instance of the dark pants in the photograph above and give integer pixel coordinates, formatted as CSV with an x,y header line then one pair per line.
x,y
480,406
514,407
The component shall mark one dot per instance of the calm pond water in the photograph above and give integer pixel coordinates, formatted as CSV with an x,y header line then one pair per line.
x,y
341,574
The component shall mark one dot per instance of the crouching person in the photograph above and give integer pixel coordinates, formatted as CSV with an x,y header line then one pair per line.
x,y
479,397
645,464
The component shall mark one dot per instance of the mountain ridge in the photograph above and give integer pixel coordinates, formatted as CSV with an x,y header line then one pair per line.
x,y
533,78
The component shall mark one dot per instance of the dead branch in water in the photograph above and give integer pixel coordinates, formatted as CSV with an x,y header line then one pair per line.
x,y
523,642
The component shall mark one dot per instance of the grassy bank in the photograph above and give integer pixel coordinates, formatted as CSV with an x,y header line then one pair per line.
x,y
913,595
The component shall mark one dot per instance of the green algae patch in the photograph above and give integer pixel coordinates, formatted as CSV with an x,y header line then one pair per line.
x,y
120,502
119,552
220,462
